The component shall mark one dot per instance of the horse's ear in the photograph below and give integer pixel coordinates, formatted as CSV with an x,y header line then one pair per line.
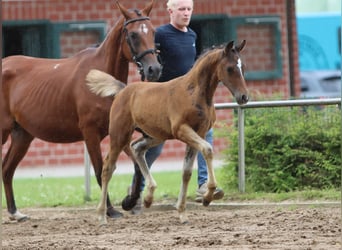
x,y
148,8
241,46
123,10
228,47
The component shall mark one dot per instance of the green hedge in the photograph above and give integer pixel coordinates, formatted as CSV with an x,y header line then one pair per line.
x,y
287,149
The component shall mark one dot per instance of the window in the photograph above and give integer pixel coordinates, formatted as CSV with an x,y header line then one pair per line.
x,y
211,30
262,54
29,38
41,38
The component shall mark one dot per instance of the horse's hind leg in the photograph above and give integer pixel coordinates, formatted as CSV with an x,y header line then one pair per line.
x,y
20,142
5,135
93,146
107,172
139,148
189,159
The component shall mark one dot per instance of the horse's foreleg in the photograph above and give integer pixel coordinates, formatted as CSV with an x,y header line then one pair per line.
x,y
94,149
20,142
107,172
131,199
139,148
189,159
191,138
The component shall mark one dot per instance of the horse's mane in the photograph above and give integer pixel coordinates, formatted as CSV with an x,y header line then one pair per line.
x,y
138,12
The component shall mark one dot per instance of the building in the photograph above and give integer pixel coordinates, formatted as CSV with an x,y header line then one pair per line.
x,y
60,28
319,41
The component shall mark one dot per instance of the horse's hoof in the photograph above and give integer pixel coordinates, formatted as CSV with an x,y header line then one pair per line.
x,y
19,217
128,203
112,213
205,202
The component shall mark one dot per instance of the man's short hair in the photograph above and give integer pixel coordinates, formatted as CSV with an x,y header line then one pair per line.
x,y
172,3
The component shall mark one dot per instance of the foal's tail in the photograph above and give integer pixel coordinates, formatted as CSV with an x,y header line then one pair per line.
x,y
103,84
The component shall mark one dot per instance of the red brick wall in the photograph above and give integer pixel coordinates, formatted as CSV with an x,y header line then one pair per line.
x,y
42,153
72,42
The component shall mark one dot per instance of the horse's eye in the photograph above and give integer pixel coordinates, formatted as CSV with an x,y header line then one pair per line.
x,y
134,39
133,36
230,70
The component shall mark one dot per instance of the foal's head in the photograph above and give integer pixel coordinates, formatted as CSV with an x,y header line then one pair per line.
x,y
139,46
231,72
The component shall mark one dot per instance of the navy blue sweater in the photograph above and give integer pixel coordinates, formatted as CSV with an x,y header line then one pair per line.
x,y
177,51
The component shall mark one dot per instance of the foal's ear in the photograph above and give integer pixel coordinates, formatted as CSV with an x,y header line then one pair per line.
x,y
241,46
228,47
148,8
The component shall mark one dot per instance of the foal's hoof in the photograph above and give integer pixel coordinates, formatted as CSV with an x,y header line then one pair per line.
x,y
128,203
112,213
183,219
147,203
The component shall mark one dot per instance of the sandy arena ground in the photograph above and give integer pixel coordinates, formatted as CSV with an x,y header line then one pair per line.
x,y
215,227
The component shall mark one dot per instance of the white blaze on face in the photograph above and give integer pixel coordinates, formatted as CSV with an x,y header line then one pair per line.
x,y
143,28
56,66
239,65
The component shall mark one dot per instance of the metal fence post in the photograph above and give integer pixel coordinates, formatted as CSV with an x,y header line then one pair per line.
x,y
264,104
86,174
241,142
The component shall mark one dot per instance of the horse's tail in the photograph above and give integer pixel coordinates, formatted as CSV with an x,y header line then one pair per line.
x,y
103,84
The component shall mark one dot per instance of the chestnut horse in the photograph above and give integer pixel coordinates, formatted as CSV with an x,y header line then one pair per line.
x,y
180,109
48,98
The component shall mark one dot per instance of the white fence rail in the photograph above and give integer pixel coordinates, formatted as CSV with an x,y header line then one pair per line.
x,y
240,109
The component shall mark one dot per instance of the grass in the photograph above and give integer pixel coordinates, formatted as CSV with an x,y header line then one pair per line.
x,y
54,192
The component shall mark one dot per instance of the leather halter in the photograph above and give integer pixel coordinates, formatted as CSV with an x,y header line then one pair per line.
x,y
137,57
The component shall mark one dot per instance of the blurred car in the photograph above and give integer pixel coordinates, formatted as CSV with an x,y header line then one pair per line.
x,y
320,84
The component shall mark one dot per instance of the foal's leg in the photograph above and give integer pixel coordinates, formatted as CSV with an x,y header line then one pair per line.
x,y
190,156
20,142
139,148
191,138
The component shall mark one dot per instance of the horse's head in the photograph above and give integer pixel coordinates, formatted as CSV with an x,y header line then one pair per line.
x,y
140,46
231,72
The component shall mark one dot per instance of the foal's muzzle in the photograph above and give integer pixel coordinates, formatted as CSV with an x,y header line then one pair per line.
x,y
242,99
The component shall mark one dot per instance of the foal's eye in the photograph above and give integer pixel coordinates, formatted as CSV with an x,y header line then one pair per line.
x,y
230,70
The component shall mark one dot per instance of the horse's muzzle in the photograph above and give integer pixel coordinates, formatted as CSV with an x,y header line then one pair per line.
x,y
153,73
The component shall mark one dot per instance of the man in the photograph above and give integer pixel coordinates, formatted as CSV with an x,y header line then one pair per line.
x,y
177,45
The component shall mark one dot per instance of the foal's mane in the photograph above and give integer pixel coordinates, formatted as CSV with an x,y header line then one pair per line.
x,y
209,51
